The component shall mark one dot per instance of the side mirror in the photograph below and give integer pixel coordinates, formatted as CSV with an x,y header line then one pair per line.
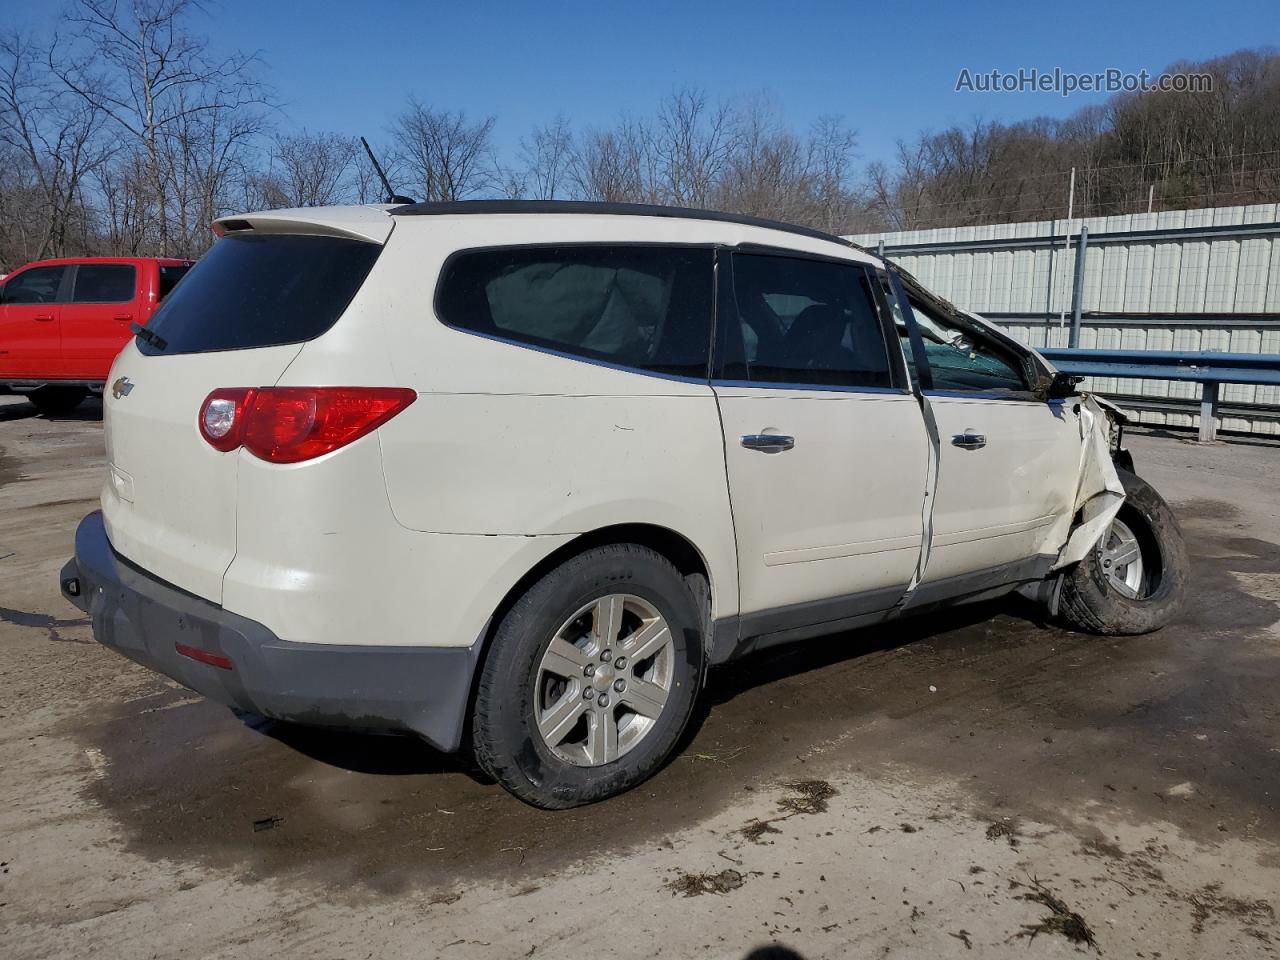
x,y
1063,385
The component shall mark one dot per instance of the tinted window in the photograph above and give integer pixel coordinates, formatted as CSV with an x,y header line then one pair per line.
x,y
169,276
958,358
260,291
104,283
643,307
804,322
37,285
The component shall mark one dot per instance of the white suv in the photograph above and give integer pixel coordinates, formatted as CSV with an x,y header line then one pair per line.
x,y
517,474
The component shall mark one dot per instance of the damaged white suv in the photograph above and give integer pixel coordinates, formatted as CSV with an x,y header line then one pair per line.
x,y
517,474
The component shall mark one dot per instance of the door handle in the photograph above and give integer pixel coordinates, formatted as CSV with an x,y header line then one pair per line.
x,y
44,317
969,440
768,442
124,317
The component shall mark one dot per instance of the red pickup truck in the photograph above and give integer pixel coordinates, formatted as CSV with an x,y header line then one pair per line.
x,y
62,322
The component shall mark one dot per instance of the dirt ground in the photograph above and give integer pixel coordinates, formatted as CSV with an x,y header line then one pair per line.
x,y
975,782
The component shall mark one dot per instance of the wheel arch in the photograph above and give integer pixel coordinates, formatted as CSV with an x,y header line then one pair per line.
x,y
675,546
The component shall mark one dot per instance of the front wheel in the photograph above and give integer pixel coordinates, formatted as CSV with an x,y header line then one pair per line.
x,y
591,678
1135,579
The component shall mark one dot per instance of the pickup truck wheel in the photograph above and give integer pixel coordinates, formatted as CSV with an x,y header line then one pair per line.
x,y
1135,579
52,401
591,678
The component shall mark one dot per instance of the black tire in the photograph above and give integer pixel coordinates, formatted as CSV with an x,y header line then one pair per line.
x,y
505,738
54,401
1089,602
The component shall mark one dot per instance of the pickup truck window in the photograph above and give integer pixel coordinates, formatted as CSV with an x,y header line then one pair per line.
x,y
104,283
804,322
169,276
644,307
37,285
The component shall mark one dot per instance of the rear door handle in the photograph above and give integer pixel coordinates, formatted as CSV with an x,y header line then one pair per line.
x,y
45,317
970,439
124,317
768,442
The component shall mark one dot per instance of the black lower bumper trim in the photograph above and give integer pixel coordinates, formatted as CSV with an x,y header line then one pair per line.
x,y
422,690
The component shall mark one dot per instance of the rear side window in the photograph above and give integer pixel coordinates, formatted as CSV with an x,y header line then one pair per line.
x,y
37,285
104,283
261,291
803,322
169,277
648,308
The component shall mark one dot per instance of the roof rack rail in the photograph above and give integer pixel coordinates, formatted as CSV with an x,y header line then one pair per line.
x,y
449,207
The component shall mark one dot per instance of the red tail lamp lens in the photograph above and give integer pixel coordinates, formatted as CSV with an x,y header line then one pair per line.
x,y
291,424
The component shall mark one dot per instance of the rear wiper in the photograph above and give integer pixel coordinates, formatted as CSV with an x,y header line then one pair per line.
x,y
151,337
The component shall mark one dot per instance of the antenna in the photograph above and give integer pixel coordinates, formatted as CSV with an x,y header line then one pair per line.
x,y
392,196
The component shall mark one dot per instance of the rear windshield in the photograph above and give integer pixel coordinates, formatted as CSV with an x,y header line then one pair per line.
x,y
260,291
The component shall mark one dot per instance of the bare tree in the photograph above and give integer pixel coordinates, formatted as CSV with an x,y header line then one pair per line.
x,y
137,63
310,170
616,166
205,156
52,146
831,150
443,155
693,146
546,157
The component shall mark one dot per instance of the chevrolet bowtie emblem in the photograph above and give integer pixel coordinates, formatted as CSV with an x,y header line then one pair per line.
x,y
121,388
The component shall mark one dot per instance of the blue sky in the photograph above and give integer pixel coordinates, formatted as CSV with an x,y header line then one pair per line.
x,y
889,68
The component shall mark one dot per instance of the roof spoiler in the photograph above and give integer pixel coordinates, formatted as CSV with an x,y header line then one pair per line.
x,y
371,223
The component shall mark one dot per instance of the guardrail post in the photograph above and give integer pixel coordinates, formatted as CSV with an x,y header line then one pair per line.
x,y
1077,289
1209,412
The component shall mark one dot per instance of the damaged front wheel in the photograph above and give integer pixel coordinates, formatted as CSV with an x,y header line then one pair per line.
x,y
1135,578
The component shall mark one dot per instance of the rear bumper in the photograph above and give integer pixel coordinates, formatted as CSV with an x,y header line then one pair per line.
x,y
241,663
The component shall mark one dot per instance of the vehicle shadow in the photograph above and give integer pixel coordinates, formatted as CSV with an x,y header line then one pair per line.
x,y
384,755
89,411
778,663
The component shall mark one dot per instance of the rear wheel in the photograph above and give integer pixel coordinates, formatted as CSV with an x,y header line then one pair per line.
x,y
1135,579
55,400
591,678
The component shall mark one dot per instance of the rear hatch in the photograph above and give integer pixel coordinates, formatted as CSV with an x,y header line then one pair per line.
x,y
270,284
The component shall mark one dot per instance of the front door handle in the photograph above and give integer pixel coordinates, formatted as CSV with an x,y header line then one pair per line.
x,y
970,439
768,442
44,317
124,317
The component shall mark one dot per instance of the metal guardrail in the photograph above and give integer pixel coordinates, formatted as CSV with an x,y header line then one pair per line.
x,y
1101,318
1210,370
1239,231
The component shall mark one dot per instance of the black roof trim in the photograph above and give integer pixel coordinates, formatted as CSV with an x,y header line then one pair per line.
x,y
616,209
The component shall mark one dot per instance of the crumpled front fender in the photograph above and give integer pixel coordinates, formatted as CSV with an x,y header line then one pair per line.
x,y
1099,493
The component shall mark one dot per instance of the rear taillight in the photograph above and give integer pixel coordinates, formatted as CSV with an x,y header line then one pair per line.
x,y
222,417
290,424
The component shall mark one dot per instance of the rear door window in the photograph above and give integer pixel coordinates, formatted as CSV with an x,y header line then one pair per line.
x,y
104,283
646,308
261,291
37,285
